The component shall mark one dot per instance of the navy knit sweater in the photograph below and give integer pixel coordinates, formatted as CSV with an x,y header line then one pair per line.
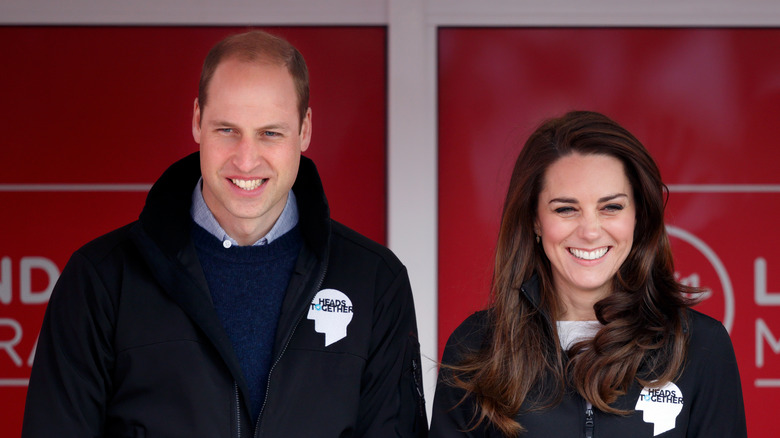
x,y
247,285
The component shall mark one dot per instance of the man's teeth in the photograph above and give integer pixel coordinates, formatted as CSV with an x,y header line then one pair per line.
x,y
248,184
589,255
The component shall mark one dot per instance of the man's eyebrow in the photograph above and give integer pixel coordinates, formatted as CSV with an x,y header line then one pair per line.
x,y
268,127
221,123
273,126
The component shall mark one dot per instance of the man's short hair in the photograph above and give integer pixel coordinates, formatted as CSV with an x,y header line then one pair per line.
x,y
258,46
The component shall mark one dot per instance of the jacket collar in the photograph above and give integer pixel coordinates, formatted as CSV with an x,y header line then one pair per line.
x,y
530,289
313,211
162,235
166,215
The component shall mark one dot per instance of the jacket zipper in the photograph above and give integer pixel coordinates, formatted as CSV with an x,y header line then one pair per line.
x,y
279,358
238,410
418,388
589,423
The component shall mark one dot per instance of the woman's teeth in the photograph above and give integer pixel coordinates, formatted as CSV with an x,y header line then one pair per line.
x,y
589,255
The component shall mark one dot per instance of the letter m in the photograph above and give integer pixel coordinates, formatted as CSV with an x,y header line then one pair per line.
x,y
762,332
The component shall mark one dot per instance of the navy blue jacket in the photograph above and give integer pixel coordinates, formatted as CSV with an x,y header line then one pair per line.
x,y
131,345
706,401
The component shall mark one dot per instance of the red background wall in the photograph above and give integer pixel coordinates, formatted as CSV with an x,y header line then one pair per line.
x,y
112,105
102,105
705,102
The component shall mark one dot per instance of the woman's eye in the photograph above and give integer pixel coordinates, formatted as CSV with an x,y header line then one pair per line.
x,y
613,207
564,210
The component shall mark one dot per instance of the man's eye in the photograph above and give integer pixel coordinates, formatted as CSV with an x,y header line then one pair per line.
x,y
271,134
225,130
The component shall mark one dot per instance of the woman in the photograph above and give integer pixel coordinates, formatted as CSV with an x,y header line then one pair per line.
x,y
589,334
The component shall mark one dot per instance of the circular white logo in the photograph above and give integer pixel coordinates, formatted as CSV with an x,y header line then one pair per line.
x,y
707,272
331,311
660,406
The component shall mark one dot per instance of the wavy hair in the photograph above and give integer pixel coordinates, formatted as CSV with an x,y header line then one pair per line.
x,y
521,366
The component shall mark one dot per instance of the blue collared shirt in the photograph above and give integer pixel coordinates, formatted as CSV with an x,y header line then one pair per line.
x,y
205,218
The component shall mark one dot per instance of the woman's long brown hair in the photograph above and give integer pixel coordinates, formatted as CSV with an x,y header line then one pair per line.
x,y
522,366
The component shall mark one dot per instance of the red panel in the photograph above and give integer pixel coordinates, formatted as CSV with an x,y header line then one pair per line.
x,y
39,233
100,105
113,105
704,101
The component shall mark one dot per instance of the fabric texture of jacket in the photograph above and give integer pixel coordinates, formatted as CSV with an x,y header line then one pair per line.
x,y
706,401
131,345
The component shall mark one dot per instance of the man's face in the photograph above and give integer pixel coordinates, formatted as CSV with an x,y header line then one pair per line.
x,y
251,139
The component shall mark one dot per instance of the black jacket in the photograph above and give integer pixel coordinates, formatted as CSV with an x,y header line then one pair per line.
x,y
131,345
707,399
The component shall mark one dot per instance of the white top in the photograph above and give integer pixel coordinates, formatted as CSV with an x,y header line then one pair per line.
x,y
571,332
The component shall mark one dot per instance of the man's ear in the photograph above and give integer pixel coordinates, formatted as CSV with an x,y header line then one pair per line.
x,y
306,130
196,121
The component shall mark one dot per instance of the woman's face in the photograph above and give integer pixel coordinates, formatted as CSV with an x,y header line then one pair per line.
x,y
586,218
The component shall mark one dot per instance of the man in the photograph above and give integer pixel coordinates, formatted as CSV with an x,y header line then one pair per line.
x,y
234,306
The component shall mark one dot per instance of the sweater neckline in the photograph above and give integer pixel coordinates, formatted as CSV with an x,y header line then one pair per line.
x,y
287,243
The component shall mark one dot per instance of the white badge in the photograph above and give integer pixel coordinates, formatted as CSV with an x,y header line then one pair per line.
x,y
331,311
660,406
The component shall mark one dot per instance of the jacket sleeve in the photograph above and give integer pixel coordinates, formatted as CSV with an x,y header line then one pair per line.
x,y
391,401
453,411
718,408
70,379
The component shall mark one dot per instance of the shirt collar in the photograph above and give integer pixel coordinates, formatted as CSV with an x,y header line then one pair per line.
x,y
202,216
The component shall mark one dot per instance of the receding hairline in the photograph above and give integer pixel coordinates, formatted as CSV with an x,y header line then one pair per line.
x,y
261,48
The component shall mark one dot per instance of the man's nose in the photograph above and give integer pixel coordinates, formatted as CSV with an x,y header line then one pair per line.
x,y
247,154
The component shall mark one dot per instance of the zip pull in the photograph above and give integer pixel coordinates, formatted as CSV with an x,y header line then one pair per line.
x,y
238,409
416,382
418,388
589,423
